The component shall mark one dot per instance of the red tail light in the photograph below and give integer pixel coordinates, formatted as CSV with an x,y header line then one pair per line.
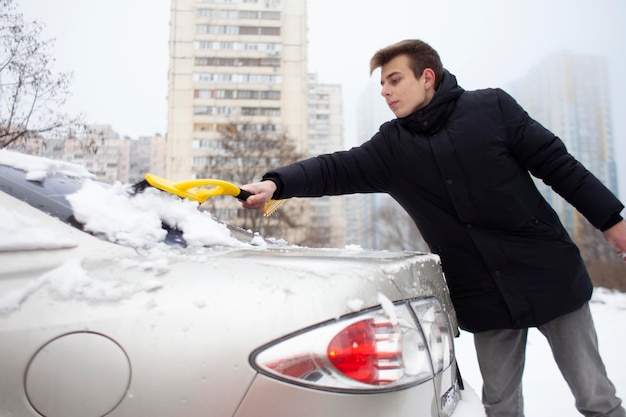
x,y
354,352
376,350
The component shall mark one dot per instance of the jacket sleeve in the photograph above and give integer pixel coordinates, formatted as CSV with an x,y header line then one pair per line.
x,y
362,169
543,154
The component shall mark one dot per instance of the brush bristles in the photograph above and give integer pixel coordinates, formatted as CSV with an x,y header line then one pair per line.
x,y
271,206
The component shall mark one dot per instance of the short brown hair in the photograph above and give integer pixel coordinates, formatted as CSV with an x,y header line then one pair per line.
x,y
421,56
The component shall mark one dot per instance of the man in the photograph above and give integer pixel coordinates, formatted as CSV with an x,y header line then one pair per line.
x,y
459,163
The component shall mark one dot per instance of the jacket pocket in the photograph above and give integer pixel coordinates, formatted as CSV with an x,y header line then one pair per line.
x,y
544,225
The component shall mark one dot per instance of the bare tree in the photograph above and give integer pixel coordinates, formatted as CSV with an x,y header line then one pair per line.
x,y
243,152
396,230
30,93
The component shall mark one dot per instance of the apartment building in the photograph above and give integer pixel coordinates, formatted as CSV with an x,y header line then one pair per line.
x,y
104,153
234,64
328,214
147,155
99,149
238,73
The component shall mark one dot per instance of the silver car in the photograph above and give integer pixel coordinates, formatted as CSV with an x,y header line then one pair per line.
x,y
203,319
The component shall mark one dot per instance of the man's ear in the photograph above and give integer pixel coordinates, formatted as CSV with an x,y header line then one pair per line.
x,y
429,78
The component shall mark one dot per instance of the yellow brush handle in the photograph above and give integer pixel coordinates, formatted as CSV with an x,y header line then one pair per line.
x,y
185,189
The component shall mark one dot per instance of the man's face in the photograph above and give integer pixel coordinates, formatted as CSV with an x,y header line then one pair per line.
x,y
403,92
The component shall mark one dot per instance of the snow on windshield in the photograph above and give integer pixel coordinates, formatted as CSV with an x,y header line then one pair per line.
x,y
38,168
112,213
135,220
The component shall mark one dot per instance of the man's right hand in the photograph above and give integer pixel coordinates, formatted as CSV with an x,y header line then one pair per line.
x,y
261,192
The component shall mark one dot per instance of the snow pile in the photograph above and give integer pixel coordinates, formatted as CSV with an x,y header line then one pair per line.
x,y
111,214
136,220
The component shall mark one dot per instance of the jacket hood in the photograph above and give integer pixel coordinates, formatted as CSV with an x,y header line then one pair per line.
x,y
431,118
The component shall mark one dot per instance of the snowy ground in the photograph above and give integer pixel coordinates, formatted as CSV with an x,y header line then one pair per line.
x,y
545,391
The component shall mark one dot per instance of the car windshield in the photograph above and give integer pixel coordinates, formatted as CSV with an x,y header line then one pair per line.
x,y
114,212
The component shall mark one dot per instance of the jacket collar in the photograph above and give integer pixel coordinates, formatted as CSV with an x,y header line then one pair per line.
x,y
432,117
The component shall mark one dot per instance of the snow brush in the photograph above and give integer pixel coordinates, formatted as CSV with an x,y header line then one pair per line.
x,y
191,190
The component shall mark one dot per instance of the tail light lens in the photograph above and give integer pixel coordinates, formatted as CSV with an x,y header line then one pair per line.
x,y
437,333
353,351
381,349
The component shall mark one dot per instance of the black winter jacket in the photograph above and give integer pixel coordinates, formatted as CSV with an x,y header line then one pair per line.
x,y
460,168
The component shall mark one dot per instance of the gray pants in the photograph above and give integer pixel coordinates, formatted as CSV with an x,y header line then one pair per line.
x,y
574,344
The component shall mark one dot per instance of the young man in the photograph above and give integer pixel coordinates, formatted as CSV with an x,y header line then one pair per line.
x,y
459,162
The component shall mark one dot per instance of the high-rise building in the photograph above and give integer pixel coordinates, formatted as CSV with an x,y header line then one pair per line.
x,y
328,219
234,64
238,74
362,208
570,95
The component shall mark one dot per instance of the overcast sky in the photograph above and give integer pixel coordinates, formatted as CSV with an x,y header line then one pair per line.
x,y
118,50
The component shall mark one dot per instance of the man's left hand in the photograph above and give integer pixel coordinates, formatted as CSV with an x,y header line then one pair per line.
x,y
616,236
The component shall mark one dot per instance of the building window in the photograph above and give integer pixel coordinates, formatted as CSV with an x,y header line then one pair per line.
x,y
270,95
203,29
202,110
270,15
270,31
216,14
204,144
236,78
208,13
200,161
260,111
236,94
248,14
224,111
203,127
202,94
270,47
237,62
259,127
246,94
259,30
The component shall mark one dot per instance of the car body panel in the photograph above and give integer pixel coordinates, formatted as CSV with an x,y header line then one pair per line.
x,y
269,397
